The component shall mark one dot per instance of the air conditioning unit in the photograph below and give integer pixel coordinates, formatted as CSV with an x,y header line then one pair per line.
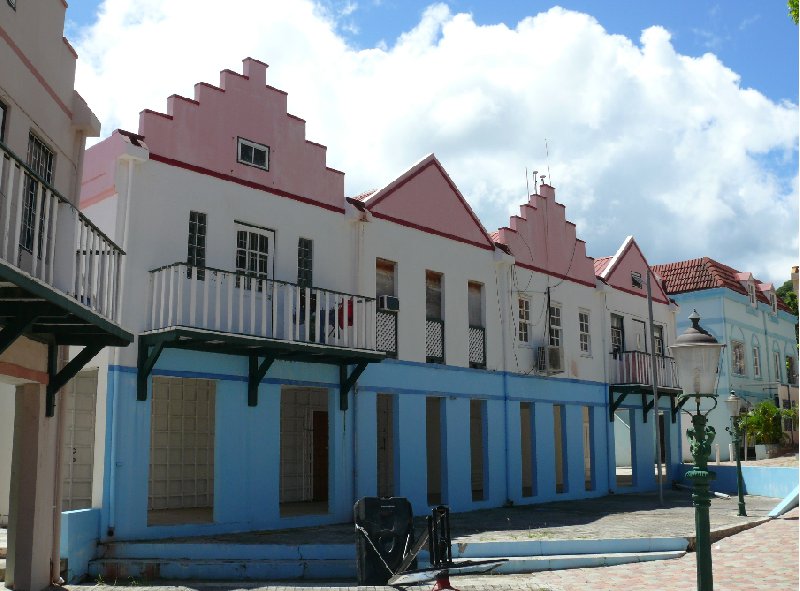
x,y
388,303
550,359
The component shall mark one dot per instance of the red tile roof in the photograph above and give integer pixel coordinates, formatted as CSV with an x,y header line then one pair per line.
x,y
600,265
705,273
364,196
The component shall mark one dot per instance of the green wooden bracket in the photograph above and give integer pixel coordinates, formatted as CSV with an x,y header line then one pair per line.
x,y
255,374
58,379
613,405
346,382
14,329
145,364
646,406
675,407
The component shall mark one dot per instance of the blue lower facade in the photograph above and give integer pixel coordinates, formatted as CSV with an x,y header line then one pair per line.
x,y
247,441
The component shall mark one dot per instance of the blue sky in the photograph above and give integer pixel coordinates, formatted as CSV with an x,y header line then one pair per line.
x,y
675,122
755,38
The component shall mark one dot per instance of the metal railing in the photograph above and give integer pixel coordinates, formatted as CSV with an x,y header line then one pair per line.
x,y
477,346
242,303
386,332
48,238
434,341
635,367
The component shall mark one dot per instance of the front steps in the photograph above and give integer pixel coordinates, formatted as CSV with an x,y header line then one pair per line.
x,y
140,562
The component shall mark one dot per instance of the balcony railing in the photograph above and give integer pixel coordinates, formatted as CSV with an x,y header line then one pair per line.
x,y
240,303
477,346
434,341
386,332
45,236
635,367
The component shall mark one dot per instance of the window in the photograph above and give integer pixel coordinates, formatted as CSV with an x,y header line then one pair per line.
x,y
384,278
756,362
253,253
305,251
617,334
790,377
196,247
3,112
41,160
555,325
253,154
636,279
433,295
773,302
737,353
475,303
658,337
524,314
583,332
777,360
751,293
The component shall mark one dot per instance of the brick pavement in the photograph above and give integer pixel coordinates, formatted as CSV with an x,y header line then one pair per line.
x,y
764,558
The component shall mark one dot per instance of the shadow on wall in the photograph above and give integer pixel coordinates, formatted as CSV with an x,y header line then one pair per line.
x,y
775,482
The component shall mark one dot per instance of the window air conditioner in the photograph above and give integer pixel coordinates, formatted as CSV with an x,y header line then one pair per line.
x,y
550,359
388,303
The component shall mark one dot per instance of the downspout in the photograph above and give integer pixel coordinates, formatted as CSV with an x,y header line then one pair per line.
x,y
112,478
357,276
610,452
504,338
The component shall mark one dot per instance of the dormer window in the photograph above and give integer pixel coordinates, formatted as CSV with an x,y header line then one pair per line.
x,y
751,293
253,154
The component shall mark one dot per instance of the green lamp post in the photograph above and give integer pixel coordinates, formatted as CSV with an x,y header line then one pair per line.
x,y
734,404
696,355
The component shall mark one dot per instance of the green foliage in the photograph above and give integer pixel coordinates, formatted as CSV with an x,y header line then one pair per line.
x,y
792,4
764,423
786,293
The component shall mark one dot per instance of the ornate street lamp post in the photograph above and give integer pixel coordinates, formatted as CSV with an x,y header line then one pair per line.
x,y
734,410
696,355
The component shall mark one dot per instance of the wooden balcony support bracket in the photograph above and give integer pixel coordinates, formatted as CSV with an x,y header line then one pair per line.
x,y
58,379
613,405
256,373
646,406
146,361
675,407
16,328
346,382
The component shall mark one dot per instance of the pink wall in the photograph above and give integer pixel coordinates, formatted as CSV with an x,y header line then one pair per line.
x,y
542,239
202,134
618,272
425,197
99,167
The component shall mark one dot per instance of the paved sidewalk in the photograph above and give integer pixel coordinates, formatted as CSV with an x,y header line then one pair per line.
x,y
763,558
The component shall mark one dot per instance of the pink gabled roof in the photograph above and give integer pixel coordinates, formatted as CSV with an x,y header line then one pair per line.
x,y
617,271
706,273
424,197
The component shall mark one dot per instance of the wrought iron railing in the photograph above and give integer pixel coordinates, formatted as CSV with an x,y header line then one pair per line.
x,y
242,303
434,341
386,332
477,346
47,237
635,367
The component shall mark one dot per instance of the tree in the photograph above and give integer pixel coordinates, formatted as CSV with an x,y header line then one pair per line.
x,y
786,293
764,423
792,4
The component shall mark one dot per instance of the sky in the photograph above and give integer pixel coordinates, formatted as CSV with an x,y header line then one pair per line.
x,y
676,122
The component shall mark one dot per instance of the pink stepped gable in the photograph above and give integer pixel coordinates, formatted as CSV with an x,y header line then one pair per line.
x,y
616,271
542,239
202,135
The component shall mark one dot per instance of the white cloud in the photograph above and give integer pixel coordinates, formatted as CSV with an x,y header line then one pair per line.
x,y
642,140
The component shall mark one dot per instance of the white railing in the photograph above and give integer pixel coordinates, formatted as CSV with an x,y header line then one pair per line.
x,y
183,295
635,367
45,236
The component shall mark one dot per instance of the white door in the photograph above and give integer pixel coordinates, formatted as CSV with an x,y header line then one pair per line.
x,y
79,400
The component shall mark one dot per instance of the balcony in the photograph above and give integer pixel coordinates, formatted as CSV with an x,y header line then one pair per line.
x,y
434,340
49,242
386,332
220,311
59,275
631,372
477,347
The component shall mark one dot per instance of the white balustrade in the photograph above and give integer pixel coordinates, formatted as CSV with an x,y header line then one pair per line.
x,y
45,236
635,367
182,295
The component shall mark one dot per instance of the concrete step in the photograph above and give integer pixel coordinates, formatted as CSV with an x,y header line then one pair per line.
x,y
477,550
195,550
531,564
141,570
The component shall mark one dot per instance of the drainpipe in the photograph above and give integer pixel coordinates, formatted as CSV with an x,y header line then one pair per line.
x,y
609,423
501,289
360,229
112,478
55,550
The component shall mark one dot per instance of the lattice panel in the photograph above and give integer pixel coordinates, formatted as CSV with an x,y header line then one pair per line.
x,y
386,331
434,339
477,348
